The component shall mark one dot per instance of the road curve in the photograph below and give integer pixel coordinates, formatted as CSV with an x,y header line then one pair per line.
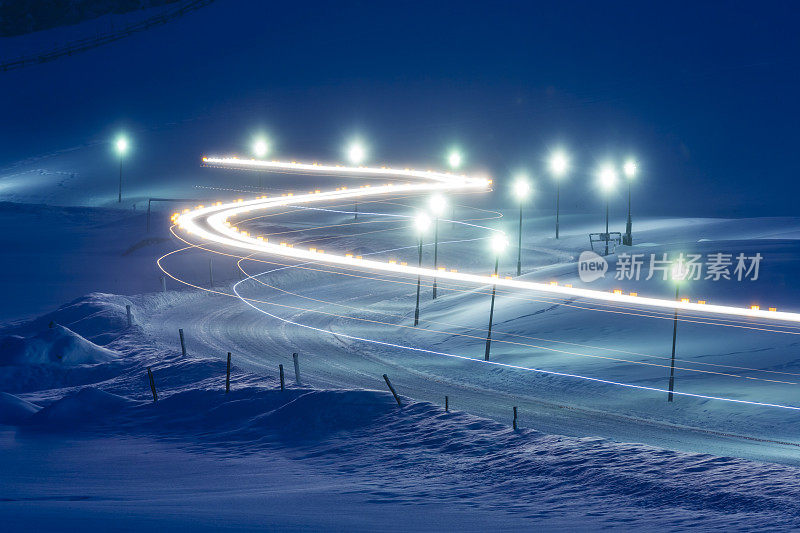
x,y
216,223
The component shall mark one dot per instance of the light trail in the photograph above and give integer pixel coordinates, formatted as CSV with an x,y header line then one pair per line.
x,y
504,365
251,302
212,223
326,303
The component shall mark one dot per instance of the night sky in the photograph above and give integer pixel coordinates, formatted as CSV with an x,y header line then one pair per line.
x,y
704,94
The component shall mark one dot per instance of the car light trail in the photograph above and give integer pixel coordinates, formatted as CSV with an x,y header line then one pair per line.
x,y
250,302
211,223
504,365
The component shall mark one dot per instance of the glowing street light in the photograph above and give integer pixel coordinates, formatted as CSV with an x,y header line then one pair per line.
x,y
678,274
260,147
356,153
559,164
121,146
608,179
522,189
437,203
454,159
422,223
629,168
499,243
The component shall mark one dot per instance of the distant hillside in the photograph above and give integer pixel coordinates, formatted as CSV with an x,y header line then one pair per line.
x,y
18,17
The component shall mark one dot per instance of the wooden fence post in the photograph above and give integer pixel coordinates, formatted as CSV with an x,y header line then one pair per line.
x,y
152,385
183,343
394,393
280,368
296,359
228,375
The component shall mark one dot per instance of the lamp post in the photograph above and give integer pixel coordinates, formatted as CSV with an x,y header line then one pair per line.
x,y
260,150
121,146
608,179
422,223
356,153
558,167
437,203
629,168
499,243
678,273
521,190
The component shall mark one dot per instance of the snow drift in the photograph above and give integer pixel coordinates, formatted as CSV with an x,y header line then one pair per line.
x,y
56,345
14,410
88,404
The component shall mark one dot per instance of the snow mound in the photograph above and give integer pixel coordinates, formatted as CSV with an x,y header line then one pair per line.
x,y
86,406
15,410
56,345
98,317
318,414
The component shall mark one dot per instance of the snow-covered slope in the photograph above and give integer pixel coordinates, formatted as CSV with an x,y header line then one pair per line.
x,y
347,434
380,459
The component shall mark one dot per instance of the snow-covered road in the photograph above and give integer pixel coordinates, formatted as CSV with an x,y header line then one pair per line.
x,y
337,306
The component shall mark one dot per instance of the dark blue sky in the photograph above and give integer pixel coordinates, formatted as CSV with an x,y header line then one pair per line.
x,y
705,94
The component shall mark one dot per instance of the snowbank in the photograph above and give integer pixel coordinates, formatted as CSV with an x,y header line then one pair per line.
x,y
14,410
55,345
98,317
86,406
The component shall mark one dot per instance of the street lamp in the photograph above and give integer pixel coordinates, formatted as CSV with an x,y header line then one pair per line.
x,y
356,153
121,146
260,147
629,168
260,150
678,274
521,190
608,179
437,203
499,243
422,222
454,159
558,167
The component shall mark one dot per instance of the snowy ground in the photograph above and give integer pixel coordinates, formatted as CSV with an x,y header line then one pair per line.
x,y
333,459
83,440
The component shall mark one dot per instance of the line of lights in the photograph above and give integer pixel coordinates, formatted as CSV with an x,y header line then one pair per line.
x,y
212,223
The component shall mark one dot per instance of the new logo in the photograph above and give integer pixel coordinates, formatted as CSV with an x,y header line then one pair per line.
x,y
591,266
